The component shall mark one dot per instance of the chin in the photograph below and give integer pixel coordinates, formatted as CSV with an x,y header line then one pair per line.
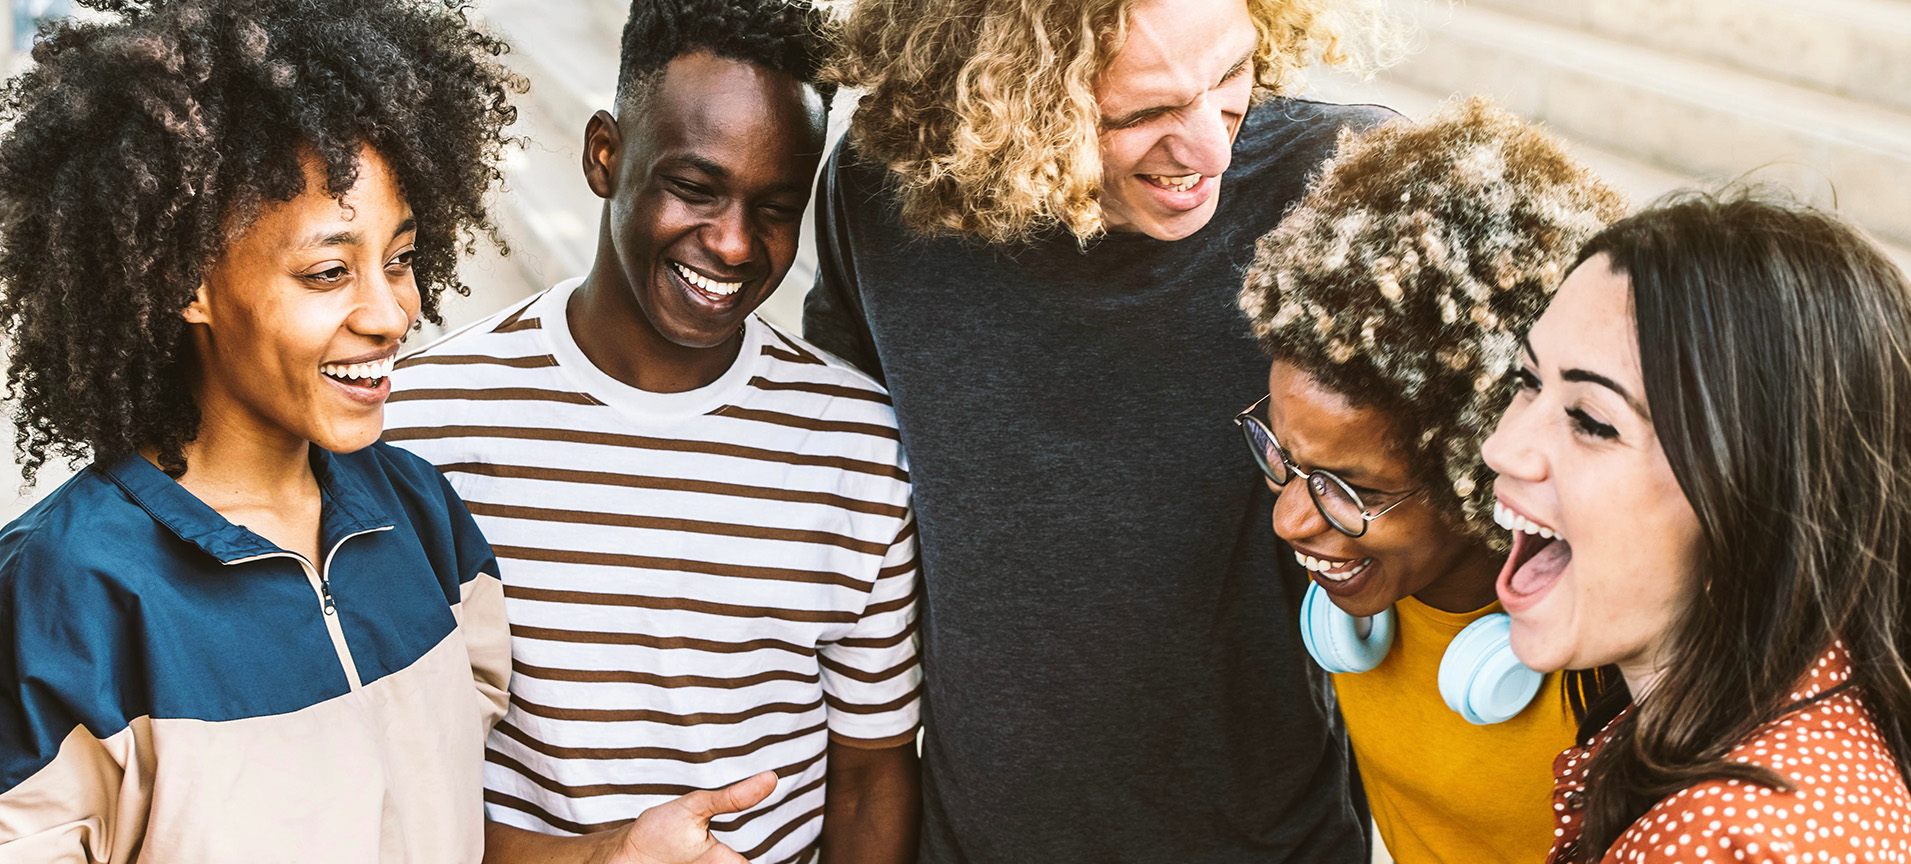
x,y
1177,226
1531,646
350,439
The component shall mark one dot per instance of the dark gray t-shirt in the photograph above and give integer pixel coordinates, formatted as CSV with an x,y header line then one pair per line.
x,y
1113,667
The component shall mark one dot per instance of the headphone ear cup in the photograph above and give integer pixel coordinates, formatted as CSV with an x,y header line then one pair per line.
x,y
1481,679
1331,638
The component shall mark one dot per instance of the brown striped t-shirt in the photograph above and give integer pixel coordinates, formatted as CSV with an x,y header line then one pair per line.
x,y
700,585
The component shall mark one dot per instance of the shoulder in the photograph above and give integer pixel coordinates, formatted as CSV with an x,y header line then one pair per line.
x,y
823,393
1847,791
1293,135
393,472
488,333
86,525
417,496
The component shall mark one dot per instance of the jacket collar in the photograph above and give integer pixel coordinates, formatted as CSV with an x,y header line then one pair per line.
x,y
345,507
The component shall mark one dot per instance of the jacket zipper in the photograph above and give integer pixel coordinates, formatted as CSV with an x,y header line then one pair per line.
x,y
321,581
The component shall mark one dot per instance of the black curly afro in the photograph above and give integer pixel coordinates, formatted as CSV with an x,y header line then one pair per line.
x,y
779,35
137,145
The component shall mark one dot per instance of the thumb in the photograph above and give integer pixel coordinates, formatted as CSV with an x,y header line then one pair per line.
x,y
736,796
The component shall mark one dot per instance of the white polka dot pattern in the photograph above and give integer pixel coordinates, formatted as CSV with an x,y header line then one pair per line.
x,y
1850,805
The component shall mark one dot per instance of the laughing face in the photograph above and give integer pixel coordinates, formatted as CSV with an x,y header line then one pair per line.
x,y
1172,99
1605,543
707,186
1409,549
297,322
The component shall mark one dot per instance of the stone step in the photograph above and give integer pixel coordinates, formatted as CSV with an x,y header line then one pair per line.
x,y
1641,182
1680,114
1855,48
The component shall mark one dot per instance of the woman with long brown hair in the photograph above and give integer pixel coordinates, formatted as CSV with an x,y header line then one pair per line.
x,y
1707,472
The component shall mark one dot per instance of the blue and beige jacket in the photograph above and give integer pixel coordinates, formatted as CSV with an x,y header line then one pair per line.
x,y
176,688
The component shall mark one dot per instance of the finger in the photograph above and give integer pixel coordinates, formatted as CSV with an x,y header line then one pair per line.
x,y
732,798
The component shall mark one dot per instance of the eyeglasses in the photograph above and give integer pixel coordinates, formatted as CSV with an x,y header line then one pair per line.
x,y
1336,500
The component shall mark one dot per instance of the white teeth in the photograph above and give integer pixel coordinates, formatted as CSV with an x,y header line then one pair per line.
x,y
1178,184
1318,566
1504,517
710,285
363,371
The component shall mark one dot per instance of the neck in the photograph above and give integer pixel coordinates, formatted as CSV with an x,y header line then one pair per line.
x,y
1642,674
616,335
235,465
1467,581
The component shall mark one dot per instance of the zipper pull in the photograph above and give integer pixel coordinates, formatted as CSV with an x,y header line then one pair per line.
x,y
325,588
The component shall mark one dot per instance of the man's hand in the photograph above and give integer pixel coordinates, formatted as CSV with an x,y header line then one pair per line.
x,y
678,832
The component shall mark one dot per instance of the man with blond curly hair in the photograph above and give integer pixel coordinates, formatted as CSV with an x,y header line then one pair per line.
x,y
1026,237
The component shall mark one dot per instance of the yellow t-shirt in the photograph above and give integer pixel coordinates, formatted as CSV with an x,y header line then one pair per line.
x,y
1442,789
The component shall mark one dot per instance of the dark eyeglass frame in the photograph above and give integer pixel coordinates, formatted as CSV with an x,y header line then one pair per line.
x,y
1249,423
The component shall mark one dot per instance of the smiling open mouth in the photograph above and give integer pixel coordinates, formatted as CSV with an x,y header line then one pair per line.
x,y
1332,570
1174,184
369,374
1539,553
704,283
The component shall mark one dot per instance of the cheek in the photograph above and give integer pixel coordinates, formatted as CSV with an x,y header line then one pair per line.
x,y
1122,150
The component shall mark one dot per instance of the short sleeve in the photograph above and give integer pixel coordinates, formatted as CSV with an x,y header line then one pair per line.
x,y
872,678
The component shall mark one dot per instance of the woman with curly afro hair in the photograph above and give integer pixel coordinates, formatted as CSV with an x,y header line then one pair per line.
x,y
1392,300
247,630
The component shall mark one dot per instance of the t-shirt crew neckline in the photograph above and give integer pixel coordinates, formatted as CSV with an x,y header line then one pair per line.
x,y
1450,623
641,405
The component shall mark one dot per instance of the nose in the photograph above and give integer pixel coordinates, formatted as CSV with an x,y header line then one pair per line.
x,y
729,238
1205,140
1510,450
1295,516
386,307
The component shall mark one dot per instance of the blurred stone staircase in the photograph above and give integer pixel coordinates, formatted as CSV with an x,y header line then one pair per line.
x,y
1811,95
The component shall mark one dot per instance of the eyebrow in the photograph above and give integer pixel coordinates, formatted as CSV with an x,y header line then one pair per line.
x,y
1139,113
352,238
1587,376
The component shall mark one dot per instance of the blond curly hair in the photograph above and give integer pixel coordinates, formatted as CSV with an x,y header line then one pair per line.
x,y
985,110
1406,276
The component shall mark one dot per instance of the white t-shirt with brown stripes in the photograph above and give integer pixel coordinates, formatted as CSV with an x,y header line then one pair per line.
x,y
700,585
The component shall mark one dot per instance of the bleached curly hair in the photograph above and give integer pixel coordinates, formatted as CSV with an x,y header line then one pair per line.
x,y
985,109
1406,276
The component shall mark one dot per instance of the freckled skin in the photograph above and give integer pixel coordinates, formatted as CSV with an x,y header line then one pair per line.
x,y
1414,550
1633,534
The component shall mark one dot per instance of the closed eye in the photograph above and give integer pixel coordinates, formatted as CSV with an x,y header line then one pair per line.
x,y
1584,424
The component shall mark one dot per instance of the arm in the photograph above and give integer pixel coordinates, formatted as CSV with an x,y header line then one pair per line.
x,y
872,679
833,310
674,833
872,805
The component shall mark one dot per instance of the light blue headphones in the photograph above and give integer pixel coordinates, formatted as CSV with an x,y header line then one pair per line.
x,y
1479,676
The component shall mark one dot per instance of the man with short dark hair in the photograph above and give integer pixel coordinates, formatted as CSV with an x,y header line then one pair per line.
x,y
1035,236
702,523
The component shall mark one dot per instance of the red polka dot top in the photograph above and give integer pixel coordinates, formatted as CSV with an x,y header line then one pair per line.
x,y
1851,803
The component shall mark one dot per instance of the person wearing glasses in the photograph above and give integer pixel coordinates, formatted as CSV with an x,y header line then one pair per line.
x,y
1391,301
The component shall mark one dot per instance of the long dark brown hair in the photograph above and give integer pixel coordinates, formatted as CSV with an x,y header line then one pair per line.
x,y
1775,342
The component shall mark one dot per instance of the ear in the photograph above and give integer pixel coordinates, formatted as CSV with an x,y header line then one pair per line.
x,y
603,144
199,311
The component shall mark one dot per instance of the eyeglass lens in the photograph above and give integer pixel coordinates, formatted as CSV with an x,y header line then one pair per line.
x,y
1331,494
